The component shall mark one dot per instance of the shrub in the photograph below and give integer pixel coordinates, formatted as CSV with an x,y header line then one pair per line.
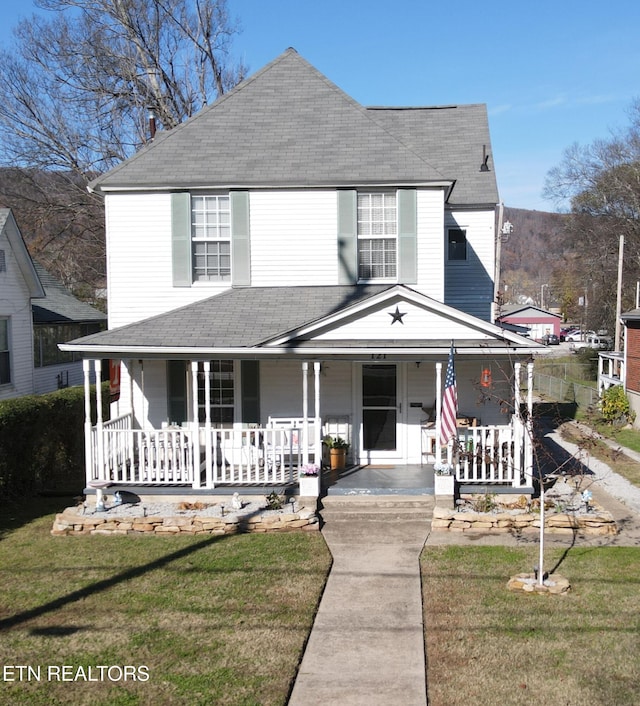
x,y
615,405
42,442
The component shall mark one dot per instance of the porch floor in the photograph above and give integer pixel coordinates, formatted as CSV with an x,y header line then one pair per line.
x,y
374,479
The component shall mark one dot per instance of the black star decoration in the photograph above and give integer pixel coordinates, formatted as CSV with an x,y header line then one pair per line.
x,y
396,316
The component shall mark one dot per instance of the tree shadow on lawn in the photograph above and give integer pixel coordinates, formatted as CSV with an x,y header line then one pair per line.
x,y
105,584
17,512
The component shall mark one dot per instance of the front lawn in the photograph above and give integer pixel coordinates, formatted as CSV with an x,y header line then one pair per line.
x,y
170,620
486,645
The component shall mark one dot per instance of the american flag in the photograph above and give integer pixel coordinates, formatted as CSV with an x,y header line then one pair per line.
x,y
449,404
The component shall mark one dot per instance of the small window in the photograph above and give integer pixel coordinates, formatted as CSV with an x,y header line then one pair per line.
x,y
457,244
5,358
3,262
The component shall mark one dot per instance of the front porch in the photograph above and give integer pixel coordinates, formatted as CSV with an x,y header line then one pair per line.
x,y
202,461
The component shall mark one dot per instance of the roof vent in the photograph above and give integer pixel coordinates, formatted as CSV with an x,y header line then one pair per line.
x,y
484,167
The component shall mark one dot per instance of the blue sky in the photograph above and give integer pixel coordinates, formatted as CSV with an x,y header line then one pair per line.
x,y
552,72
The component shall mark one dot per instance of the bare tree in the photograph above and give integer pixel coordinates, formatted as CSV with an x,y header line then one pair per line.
x,y
602,183
81,80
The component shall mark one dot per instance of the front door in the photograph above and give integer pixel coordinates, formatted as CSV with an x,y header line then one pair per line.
x,y
380,412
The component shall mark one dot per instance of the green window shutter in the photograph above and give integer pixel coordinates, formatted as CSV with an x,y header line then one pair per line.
x,y
177,391
240,239
347,237
407,236
181,239
250,376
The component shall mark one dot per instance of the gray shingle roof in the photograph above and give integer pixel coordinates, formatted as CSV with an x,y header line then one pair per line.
x,y
59,305
243,317
454,139
288,125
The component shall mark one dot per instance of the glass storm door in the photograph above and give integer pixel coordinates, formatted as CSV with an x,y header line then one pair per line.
x,y
379,410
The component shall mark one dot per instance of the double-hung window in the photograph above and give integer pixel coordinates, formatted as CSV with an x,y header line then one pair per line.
x,y
211,236
5,357
377,236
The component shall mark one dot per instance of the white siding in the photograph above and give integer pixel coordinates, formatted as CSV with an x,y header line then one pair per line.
x,y
15,304
139,260
469,284
46,378
294,238
430,247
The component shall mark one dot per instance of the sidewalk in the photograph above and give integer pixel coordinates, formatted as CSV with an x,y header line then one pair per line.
x,y
367,643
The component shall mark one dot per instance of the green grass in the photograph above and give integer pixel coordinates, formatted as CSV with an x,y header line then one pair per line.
x,y
491,646
215,620
616,460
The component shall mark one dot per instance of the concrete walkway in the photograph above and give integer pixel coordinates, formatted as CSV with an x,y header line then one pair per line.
x,y
367,643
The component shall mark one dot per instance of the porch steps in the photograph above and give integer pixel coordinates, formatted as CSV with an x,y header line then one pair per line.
x,y
369,510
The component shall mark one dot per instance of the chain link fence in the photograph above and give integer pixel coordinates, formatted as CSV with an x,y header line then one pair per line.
x,y
565,391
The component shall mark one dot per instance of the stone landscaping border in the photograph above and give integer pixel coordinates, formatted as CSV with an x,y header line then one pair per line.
x,y
598,522
69,522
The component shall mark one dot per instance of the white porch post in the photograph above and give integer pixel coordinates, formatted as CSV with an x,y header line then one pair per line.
x,y
99,421
305,411
207,427
600,372
195,431
529,430
438,411
317,431
517,427
88,450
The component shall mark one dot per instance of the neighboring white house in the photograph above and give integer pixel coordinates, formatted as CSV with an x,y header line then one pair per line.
x,y
288,263
36,314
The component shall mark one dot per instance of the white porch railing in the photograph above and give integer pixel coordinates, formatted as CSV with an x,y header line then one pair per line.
x,y
201,457
207,457
492,455
156,456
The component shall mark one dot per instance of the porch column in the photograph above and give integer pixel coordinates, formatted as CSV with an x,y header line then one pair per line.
x,y
529,430
305,411
99,421
317,439
195,431
88,451
438,411
600,372
517,427
208,450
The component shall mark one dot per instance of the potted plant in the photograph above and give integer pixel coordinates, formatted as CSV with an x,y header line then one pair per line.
x,y
309,480
337,452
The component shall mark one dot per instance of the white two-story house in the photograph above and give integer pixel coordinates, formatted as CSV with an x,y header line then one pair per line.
x,y
289,264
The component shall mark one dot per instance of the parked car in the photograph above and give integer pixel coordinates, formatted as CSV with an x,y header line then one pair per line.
x,y
550,339
600,343
579,335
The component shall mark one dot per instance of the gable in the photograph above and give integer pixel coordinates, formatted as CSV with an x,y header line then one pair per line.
x,y
528,313
10,234
400,316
